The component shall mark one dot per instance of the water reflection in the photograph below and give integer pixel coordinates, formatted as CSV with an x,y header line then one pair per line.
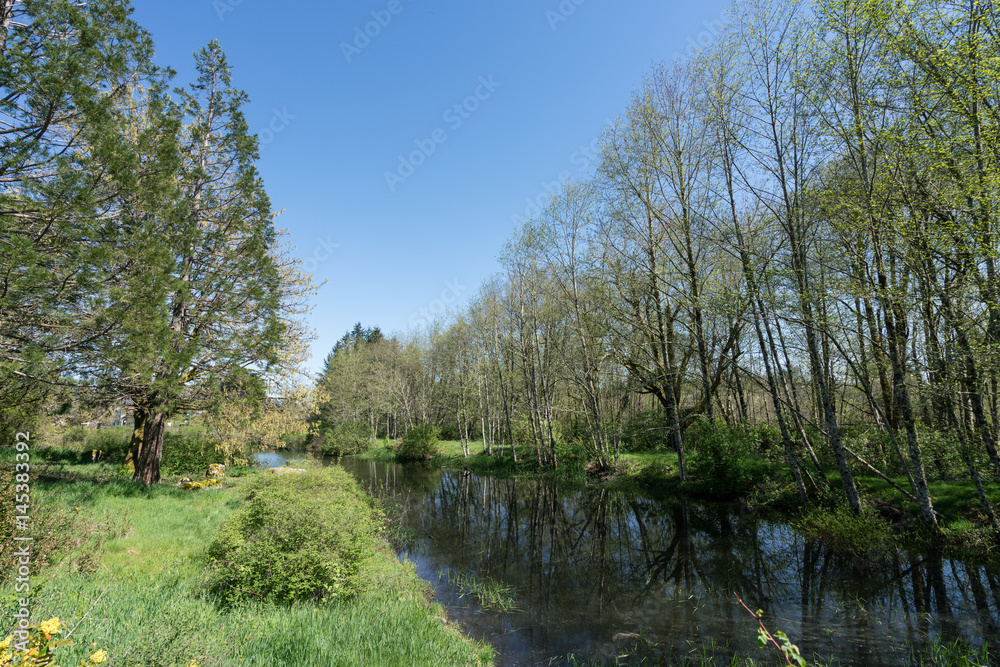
x,y
599,573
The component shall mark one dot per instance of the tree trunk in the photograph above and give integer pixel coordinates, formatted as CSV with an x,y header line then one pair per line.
x,y
135,445
147,466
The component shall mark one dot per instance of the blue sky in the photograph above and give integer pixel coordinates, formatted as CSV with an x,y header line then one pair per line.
x,y
403,137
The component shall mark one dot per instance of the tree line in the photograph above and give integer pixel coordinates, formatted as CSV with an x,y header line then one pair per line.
x,y
141,264
797,228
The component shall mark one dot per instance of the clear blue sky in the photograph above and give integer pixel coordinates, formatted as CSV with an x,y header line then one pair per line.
x,y
535,84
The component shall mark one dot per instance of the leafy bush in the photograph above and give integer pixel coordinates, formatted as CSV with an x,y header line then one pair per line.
x,y
647,431
295,442
187,452
843,530
655,473
300,536
345,439
725,457
112,442
419,444
75,435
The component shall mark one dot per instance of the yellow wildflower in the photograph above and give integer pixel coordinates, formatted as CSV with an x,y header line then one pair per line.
x,y
5,643
50,627
98,657
192,664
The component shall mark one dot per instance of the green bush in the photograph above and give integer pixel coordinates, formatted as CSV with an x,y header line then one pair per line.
x,y
112,442
655,473
75,435
647,431
843,530
345,439
724,457
187,451
296,442
300,536
419,444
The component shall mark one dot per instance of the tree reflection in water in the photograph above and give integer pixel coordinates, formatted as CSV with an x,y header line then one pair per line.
x,y
600,573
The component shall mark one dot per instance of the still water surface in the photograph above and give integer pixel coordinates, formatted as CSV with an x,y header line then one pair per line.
x,y
599,574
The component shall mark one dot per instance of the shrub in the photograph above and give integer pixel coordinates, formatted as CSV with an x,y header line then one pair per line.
x,y
75,435
655,473
647,431
419,444
300,536
295,442
843,530
724,459
345,439
187,452
112,442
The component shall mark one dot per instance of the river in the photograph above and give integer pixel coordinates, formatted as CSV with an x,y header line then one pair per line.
x,y
601,574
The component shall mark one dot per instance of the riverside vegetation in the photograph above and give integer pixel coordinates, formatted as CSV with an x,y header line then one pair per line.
x,y
259,570
735,465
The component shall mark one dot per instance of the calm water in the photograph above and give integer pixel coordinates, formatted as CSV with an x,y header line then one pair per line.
x,y
599,574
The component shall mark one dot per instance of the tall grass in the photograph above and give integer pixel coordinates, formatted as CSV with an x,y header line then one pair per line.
x,y
131,577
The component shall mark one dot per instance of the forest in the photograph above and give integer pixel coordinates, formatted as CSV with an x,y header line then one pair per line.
x,y
791,238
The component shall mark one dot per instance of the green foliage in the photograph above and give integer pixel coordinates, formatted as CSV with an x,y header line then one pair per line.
x,y
300,536
787,648
296,442
843,530
75,435
943,454
646,431
49,527
345,439
655,474
41,646
725,460
186,451
419,444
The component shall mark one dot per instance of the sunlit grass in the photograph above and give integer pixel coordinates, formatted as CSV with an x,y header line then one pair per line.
x,y
135,584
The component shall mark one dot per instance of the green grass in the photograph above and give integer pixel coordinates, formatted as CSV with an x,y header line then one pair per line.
x,y
132,579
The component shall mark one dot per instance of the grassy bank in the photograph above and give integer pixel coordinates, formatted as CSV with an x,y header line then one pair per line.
x,y
129,571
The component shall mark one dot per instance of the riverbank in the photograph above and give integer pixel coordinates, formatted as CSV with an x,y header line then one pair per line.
x,y
890,519
128,569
